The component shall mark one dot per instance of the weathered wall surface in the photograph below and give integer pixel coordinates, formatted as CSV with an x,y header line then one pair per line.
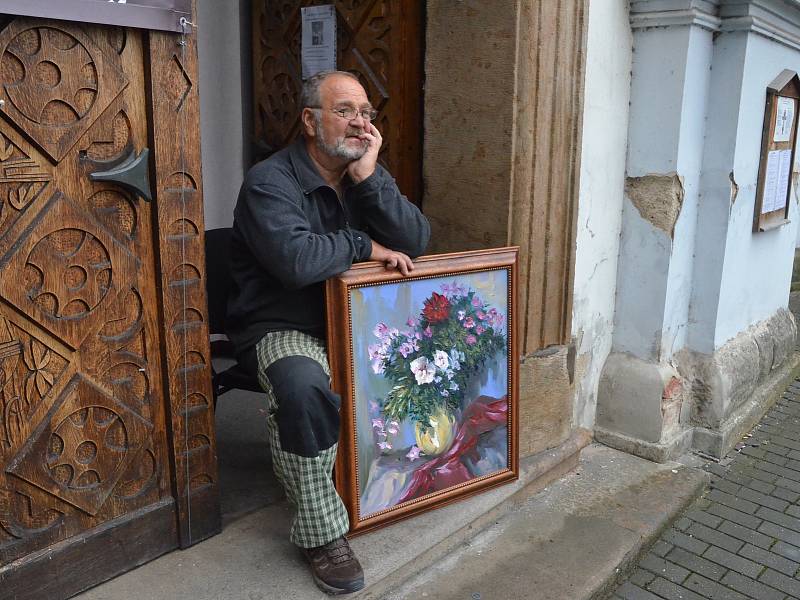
x,y
605,126
221,108
702,337
757,269
469,116
503,111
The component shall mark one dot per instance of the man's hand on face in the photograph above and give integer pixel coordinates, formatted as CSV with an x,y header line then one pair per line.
x,y
362,168
391,259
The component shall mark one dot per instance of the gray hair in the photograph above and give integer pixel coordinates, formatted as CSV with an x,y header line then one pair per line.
x,y
310,97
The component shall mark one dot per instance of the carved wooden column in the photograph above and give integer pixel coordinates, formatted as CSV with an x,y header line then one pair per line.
x,y
179,196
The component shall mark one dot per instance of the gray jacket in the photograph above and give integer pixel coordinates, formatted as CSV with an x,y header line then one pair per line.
x,y
291,233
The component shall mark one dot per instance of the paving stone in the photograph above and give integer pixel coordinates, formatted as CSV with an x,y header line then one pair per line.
x,y
695,563
782,582
771,446
756,473
705,518
781,472
746,535
787,550
750,587
781,533
660,548
734,561
725,485
716,469
754,452
734,515
788,484
760,486
712,536
641,577
744,506
684,541
682,524
763,499
785,494
769,559
711,589
671,591
664,568
628,591
779,518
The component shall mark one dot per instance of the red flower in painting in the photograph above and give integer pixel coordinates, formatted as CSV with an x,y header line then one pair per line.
x,y
437,308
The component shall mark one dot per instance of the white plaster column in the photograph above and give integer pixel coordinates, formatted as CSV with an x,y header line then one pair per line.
x,y
703,342
641,397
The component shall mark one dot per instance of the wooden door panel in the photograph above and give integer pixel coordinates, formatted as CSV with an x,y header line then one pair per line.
x,y
378,40
83,419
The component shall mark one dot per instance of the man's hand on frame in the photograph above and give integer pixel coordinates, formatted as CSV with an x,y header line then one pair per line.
x,y
362,168
391,259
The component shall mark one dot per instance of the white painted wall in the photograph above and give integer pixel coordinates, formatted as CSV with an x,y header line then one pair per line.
x,y
221,106
602,179
757,268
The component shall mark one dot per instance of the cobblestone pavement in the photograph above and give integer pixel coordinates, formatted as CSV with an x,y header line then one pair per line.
x,y
741,539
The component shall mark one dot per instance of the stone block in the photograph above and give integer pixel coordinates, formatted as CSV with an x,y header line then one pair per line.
x,y
545,400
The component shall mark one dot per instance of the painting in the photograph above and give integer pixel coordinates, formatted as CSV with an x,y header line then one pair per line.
x,y
426,368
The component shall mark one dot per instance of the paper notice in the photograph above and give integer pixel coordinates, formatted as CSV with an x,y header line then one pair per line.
x,y
318,52
784,119
776,180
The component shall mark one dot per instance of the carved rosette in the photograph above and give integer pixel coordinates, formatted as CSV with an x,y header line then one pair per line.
x,y
84,446
68,263
55,82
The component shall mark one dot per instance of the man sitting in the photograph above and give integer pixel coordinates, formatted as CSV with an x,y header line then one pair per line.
x,y
305,214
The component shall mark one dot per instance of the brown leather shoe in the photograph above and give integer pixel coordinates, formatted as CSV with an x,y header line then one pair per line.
x,y
335,568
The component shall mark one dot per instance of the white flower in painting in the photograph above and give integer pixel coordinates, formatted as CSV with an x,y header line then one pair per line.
x,y
423,370
441,360
455,364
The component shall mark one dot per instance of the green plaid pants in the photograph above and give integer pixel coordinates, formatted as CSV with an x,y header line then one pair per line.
x,y
320,513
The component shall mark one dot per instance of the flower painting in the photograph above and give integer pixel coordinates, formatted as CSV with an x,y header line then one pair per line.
x,y
428,409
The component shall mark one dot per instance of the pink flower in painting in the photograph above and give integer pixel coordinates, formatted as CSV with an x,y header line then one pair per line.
x,y
479,329
380,331
471,340
481,315
428,332
412,322
413,454
377,423
406,348
393,427
469,322
476,302
384,445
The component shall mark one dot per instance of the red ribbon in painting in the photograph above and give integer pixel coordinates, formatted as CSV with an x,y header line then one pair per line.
x,y
448,470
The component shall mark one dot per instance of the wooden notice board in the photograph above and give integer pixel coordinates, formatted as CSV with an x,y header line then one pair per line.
x,y
777,152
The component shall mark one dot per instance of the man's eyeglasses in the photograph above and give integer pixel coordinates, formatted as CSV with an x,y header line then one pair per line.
x,y
368,114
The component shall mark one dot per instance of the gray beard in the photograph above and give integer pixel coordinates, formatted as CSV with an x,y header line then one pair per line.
x,y
339,148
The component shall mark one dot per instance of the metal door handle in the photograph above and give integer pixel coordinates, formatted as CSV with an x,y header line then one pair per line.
x,y
132,173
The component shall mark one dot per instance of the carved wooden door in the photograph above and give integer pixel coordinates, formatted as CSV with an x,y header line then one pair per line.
x,y
106,430
381,41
